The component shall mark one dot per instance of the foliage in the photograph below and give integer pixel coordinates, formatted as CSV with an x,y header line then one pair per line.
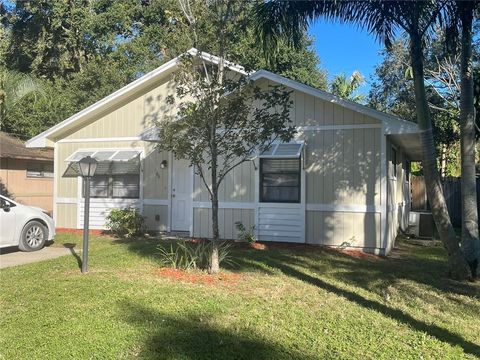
x,y
245,234
126,223
14,87
85,50
346,88
188,254
392,92
124,309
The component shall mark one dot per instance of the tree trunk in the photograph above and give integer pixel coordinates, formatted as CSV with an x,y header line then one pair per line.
x,y
214,261
458,267
470,239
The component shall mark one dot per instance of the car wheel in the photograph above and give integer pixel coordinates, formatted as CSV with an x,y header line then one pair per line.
x,y
33,237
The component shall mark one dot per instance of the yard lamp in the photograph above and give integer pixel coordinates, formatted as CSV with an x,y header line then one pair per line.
x,y
87,166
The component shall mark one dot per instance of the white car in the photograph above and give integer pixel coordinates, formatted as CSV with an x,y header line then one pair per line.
x,y
24,226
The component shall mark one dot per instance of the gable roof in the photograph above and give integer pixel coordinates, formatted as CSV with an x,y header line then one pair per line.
x,y
118,96
14,148
392,123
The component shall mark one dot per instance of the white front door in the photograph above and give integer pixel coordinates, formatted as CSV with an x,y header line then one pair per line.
x,y
182,188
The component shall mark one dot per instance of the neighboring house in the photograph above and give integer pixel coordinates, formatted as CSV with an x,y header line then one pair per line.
x,y
341,182
26,175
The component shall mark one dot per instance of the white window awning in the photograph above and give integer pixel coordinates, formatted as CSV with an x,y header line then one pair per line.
x,y
110,162
291,149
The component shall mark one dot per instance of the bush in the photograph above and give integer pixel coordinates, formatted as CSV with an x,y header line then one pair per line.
x,y
244,234
188,255
126,223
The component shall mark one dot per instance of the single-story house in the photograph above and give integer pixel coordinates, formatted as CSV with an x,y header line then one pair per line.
x,y
26,175
343,181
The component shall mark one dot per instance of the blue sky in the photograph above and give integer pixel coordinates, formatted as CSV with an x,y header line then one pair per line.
x,y
344,48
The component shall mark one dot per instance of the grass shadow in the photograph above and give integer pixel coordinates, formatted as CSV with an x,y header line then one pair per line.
x,y
191,336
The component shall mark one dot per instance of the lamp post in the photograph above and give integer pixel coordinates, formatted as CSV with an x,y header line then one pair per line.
x,y
87,166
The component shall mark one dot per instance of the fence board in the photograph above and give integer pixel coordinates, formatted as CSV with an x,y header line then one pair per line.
x,y
453,197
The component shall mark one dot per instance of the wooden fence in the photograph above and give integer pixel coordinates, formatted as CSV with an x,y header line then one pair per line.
x,y
452,192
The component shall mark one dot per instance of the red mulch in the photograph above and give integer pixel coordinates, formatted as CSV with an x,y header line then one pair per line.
x,y
357,254
198,278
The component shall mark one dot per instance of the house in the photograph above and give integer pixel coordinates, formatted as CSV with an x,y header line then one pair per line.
x,y
26,175
343,181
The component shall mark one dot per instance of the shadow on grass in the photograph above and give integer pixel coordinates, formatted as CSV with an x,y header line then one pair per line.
x,y
398,315
315,265
71,247
192,337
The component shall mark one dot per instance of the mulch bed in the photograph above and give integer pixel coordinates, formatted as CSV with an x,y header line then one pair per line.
x,y
199,278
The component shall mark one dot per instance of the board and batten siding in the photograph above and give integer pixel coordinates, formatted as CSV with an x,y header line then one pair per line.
x,y
202,221
133,116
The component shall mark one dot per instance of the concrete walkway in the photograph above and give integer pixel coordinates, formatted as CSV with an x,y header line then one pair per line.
x,y
15,257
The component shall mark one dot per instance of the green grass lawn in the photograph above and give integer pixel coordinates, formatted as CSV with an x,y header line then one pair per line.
x,y
288,303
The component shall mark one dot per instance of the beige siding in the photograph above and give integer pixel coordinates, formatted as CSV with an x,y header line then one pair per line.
x,y
343,229
155,179
132,117
66,216
151,213
26,190
343,166
307,110
238,185
202,223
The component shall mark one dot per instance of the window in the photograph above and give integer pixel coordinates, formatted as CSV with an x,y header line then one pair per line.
x,y
39,170
116,186
280,180
394,163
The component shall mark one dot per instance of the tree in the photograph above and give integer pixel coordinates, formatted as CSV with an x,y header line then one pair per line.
x,y
84,50
392,92
462,13
346,88
15,86
383,19
221,120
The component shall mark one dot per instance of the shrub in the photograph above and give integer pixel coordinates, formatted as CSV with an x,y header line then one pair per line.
x,y
245,234
126,223
187,255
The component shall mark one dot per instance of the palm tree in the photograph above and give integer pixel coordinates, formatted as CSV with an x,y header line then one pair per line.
x,y
461,18
383,19
345,88
14,86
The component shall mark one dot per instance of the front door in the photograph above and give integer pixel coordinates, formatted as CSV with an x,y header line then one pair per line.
x,y
181,195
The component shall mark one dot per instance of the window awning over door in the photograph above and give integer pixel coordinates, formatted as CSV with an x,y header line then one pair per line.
x,y
284,150
110,162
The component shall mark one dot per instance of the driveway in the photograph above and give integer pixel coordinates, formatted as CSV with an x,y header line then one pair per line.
x,y
13,257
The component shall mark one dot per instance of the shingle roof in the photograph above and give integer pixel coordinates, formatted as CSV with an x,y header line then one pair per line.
x,y
13,147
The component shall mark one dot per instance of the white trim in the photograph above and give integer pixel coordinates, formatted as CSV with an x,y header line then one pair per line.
x,y
162,202
344,208
337,127
395,124
192,183
224,205
55,182
62,200
79,200
256,170
384,233
106,139
123,93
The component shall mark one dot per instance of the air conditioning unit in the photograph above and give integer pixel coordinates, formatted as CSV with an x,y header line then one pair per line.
x,y
421,224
